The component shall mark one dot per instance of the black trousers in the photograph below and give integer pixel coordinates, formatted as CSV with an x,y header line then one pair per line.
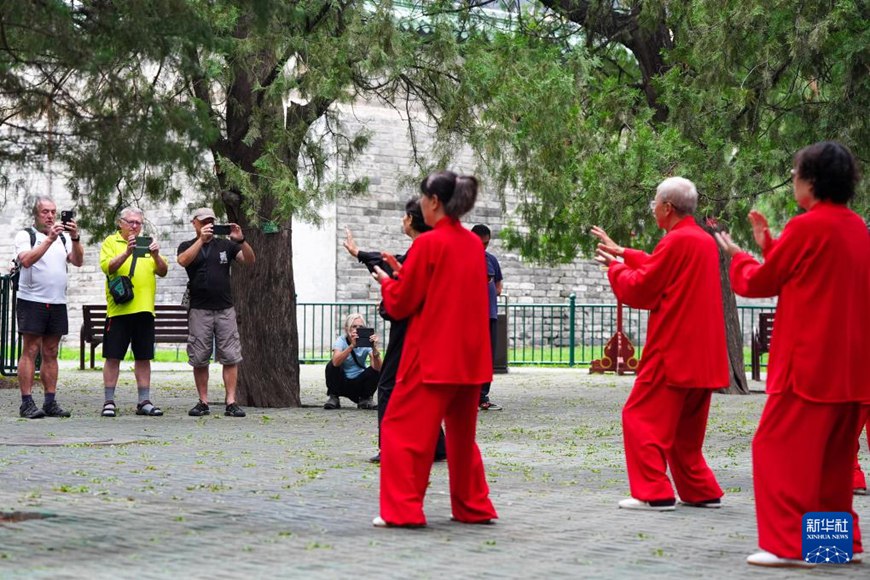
x,y
356,389
493,329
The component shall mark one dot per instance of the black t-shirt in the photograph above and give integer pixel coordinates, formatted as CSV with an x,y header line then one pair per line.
x,y
209,274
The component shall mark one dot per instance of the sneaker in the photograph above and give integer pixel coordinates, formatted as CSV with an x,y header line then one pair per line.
x,y
662,505
332,403
707,503
199,410
233,410
860,491
375,458
379,522
29,410
53,410
367,404
490,406
773,561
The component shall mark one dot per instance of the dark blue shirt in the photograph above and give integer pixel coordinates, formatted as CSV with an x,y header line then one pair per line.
x,y
493,273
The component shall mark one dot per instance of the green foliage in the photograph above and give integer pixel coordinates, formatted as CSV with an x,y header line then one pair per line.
x,y
565,117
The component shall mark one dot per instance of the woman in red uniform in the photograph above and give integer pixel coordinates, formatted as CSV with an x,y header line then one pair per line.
x,y
442,290
804,450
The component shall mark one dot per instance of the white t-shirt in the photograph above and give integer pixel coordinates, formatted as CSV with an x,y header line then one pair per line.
x,y
45,281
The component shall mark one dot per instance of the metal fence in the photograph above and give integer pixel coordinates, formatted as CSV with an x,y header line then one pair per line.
x,y
563,334
10,341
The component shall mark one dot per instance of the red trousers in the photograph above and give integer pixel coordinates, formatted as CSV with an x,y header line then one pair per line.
x,y
858,479
802,458
409,433
665,427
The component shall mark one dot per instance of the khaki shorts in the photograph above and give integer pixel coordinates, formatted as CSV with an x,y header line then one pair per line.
x,y
208,327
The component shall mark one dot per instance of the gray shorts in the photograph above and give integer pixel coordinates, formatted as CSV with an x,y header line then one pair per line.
x,y
207,327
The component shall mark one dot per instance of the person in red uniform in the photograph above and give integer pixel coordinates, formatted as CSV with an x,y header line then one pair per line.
x,y
803,452
684,359
442,290
859,481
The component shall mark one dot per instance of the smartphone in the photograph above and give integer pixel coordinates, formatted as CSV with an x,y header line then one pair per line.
x,y
221,229
142,242
67,216
364,337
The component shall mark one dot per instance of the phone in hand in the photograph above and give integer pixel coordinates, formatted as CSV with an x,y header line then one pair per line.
x,y
364,337
142,243
221,229
67,216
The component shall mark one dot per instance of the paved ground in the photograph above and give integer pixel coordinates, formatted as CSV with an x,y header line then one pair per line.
x,y
287,493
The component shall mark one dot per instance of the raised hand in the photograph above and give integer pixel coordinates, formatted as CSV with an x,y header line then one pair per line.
x,y
760,230
607,244
392,262
349,243
726,243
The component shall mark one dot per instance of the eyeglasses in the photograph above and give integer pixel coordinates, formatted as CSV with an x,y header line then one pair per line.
x,y
131,223
653,203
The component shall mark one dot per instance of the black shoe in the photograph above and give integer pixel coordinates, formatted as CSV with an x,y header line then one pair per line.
x,y
29,410
53,410
233,410
367,404
199,410
440,458
376,458
332,403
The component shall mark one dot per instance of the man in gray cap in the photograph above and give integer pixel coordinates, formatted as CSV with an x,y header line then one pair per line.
x,y
212,319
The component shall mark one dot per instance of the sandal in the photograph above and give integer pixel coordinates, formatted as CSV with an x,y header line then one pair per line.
x,y
152,412
109,409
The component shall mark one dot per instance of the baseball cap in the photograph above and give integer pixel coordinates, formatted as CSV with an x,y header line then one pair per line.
x,y
203,214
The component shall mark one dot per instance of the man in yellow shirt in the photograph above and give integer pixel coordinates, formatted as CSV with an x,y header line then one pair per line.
x,y
131,322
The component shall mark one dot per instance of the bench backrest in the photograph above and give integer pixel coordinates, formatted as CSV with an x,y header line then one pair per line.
x,y
765,330
170,322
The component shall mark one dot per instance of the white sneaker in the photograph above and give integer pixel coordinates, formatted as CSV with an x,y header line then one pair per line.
x,y
773,561
860,491
857,558
635,504
379,522
709,504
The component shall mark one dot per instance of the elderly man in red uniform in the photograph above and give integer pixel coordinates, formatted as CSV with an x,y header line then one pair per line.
x,y
804,450
684,359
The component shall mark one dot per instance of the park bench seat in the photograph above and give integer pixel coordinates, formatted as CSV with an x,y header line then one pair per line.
x,y
170,326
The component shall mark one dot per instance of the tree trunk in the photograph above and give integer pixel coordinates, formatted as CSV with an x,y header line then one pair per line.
x,y
733,332
265,299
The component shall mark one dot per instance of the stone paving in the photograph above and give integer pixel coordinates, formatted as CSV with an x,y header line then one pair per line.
x,y
290,493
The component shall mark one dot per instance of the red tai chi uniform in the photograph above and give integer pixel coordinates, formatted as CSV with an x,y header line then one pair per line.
x,y
665,417
804,450
442,290
859,481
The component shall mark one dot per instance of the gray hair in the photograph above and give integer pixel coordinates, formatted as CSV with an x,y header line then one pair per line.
x,y
350,318
128,210
41,199
680,193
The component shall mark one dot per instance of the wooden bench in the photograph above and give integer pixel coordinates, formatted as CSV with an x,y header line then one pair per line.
x,y
761,342
170,326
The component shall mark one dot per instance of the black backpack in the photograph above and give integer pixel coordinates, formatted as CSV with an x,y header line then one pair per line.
x,y
15,270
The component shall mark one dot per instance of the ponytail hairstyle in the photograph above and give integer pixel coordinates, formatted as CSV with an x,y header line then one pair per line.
x,y
457,193
413,210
